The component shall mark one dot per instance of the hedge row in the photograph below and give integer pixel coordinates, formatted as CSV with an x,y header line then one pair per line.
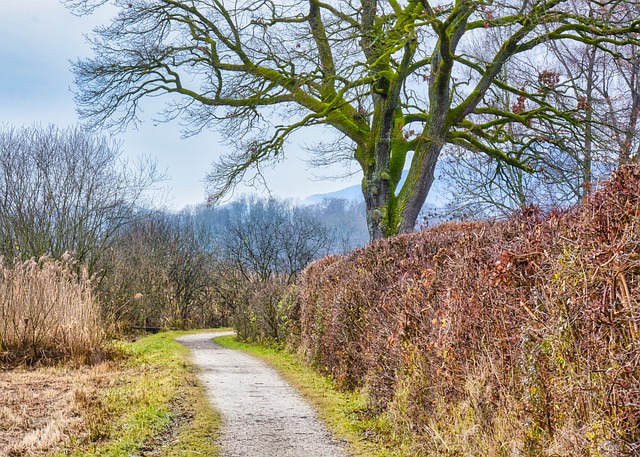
x,y
522,334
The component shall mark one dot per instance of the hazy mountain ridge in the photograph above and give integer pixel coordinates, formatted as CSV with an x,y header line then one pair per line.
x,y
435,199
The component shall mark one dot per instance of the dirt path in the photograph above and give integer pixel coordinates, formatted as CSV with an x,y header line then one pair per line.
x,y
263,416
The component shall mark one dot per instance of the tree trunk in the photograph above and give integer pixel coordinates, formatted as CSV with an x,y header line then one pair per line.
x,y
587,158
378,193
389,213
418,184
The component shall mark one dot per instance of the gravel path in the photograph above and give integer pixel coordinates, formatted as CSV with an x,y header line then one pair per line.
x,y
262,415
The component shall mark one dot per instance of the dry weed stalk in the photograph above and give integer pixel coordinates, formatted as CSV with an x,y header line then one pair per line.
x,y
47,311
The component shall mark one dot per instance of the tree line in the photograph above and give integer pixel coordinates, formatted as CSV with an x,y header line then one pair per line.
x,y
67,192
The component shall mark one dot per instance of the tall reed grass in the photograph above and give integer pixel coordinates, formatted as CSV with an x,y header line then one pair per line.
x,y
47,312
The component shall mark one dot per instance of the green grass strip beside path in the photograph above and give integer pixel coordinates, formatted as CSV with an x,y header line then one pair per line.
x,y
155,405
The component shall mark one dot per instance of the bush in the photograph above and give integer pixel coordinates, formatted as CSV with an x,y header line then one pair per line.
x,y
47,312
492,338
160,272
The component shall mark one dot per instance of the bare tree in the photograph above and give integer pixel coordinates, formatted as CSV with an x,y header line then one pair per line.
x,y
65,190
599,85
480,187
191,266
397,81
263,244
270,238
161,271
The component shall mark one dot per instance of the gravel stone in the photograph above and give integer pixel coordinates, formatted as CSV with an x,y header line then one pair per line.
x,y
263,416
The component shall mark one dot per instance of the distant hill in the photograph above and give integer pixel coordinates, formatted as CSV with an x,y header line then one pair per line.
x,y
434,199
353,193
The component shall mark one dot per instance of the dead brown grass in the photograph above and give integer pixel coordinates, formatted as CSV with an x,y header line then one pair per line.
x,y
42,410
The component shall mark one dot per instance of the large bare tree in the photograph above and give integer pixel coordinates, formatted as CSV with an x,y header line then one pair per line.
x,y
395,80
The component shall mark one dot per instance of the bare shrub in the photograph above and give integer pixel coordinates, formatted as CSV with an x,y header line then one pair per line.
x,y
47,311
521,334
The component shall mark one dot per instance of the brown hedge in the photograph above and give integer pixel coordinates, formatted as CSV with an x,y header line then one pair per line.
x,y
549,301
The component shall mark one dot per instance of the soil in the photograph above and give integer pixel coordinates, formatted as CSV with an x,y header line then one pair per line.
x,y
263,416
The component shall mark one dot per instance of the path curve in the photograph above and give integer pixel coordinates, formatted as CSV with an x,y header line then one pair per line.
x,y
262,415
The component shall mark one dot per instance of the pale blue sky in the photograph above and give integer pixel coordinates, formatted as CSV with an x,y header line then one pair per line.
x,y
38,38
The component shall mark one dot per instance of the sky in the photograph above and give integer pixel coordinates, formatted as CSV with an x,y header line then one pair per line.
x,y
38,38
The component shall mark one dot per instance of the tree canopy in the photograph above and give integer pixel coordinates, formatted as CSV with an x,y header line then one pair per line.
x,y
395,80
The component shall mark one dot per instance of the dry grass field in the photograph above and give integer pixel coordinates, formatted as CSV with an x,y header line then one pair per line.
x,y
144,401
43,411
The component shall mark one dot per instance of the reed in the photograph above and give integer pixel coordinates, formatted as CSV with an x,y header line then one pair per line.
x,y
48,313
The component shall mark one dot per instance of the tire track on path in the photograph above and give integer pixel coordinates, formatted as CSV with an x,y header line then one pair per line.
x,y
263,416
